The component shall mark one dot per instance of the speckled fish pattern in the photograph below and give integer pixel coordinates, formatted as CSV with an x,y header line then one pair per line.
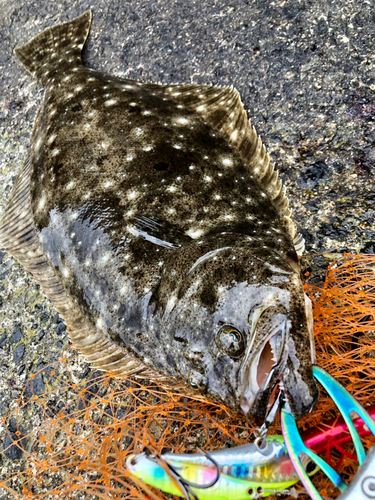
x,y
153,218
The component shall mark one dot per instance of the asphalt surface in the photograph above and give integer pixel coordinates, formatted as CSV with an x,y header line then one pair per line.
x,y
305,71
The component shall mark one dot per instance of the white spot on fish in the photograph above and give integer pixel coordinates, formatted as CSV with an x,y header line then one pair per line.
x,y
194,232
234,135
227,162
132,195
181,120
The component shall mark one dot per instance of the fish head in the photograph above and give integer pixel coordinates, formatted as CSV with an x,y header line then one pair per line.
x,y
280,353
246,326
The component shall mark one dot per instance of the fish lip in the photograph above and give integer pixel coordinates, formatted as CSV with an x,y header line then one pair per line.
x,y
259,395
261,405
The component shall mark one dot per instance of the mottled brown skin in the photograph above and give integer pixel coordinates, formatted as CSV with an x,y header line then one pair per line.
x,y
129,189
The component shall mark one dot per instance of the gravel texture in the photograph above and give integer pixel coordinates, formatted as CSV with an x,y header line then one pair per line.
x,y
306,73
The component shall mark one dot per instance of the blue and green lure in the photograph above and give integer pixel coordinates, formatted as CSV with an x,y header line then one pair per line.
x,y
363,485
245,472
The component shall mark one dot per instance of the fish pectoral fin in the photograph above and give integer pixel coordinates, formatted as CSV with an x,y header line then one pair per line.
x,y
157,231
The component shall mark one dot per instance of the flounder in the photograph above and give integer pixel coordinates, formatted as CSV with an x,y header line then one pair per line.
x,y
152,217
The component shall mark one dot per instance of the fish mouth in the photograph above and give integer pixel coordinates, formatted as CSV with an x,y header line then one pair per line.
x,y
265,372
263,363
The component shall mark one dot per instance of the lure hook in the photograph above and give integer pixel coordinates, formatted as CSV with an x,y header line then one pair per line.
x,y
186,485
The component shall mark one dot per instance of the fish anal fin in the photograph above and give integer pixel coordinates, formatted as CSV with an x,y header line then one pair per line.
x,y
20,238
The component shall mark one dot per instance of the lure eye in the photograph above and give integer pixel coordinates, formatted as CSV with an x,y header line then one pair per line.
x,y
230,341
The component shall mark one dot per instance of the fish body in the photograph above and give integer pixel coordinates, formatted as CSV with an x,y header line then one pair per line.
x,y
246,472
152,216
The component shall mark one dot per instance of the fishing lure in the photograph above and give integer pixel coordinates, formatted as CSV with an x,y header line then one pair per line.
x,y
250,471
334,433
363,485
271,465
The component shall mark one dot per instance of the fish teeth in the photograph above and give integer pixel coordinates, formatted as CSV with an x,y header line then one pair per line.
x,y
272,343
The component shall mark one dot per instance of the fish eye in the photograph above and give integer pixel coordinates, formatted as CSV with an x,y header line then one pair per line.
x,y
230,341
197,380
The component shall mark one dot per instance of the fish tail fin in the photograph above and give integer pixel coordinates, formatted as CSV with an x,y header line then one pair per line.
x,y
55,48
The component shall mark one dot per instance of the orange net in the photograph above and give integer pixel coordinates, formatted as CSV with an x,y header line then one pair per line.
x,y
83,431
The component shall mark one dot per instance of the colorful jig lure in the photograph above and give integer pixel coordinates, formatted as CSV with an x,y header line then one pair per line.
x,y
250,471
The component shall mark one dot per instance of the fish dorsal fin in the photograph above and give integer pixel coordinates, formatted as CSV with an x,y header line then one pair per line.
x,y
222,109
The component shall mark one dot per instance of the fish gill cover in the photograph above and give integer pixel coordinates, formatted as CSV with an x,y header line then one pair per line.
x,y
80,451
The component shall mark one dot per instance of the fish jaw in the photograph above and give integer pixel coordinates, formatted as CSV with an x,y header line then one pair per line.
x,y
282,362
264,372
299,387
